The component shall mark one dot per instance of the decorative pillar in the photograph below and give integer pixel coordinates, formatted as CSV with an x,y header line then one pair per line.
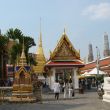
x,y
76,81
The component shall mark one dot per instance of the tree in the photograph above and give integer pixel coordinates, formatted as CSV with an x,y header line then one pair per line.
x,y
31,60
17,34
3,41
3,56
14,34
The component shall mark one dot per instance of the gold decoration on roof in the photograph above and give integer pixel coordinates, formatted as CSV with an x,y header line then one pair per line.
x,y
65,50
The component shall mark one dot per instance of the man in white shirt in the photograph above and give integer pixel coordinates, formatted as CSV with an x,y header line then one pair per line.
x,y
56,89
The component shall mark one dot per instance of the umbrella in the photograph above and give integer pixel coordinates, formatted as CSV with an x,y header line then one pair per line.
x,y
94,72
86,74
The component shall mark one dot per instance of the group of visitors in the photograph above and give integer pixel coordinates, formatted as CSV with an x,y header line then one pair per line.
x,y
87,84
67,89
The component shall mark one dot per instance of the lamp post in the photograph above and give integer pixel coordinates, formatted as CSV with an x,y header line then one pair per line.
x,y
97,63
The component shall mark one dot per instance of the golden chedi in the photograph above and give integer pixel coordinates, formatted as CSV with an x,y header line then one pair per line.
x,y
40,59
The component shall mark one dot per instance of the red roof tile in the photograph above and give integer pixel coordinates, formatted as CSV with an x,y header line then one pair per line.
x,y
103,64
65,63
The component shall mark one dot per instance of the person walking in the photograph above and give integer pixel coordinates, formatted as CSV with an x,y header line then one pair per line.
x,y
70,90
66,90
56,89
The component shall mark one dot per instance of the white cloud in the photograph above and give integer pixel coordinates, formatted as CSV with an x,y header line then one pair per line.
x,y
99,11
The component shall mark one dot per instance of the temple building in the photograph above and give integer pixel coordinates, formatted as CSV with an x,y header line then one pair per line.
x,y
64,63
40,59
104,65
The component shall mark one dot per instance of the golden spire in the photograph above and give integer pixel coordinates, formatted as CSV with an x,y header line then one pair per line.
x,y
40,49
23,54
23,57
40,58
40,39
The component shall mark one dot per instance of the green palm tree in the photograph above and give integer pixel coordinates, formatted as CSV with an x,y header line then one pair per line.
x,y
17,34
3,44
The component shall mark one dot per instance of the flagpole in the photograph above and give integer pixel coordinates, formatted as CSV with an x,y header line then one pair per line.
x,y
97,63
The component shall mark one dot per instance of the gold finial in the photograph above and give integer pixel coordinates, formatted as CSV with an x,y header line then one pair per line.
x,y
50,52
64,31
40,39
79,51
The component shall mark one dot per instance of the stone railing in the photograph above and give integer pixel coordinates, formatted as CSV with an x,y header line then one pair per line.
x,y
5,92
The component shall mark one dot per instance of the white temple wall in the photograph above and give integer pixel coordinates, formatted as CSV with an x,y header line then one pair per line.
x,y
106,87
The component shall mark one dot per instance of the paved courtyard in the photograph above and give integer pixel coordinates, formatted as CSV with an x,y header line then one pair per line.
x,y
87,101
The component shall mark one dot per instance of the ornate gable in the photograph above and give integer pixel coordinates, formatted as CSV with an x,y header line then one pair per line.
x,y
64,50
22,69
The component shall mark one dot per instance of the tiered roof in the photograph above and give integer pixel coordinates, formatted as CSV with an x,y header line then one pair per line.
x,y
64,54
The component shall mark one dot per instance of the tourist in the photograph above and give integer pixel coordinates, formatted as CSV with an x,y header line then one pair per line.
x,y
81,88
66,89
56,89
71,91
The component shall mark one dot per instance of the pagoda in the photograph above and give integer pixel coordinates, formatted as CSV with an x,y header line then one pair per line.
x,y
40,59
22,87
64,63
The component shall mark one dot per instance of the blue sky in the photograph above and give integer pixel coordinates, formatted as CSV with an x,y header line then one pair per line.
x,y
85,21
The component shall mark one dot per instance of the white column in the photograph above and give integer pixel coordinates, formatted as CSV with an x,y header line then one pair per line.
x,y
72,77
76,81
52,78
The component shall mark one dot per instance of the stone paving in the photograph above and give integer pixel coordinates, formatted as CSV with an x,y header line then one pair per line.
x,y
87,101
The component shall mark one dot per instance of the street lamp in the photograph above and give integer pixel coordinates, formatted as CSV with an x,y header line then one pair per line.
x,y
98,57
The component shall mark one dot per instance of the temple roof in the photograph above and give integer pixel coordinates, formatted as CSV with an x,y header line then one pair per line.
x,y
64,50
22,69
104,65
64,54
77,63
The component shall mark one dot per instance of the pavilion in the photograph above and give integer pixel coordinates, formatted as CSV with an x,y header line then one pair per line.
x,y
64,63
